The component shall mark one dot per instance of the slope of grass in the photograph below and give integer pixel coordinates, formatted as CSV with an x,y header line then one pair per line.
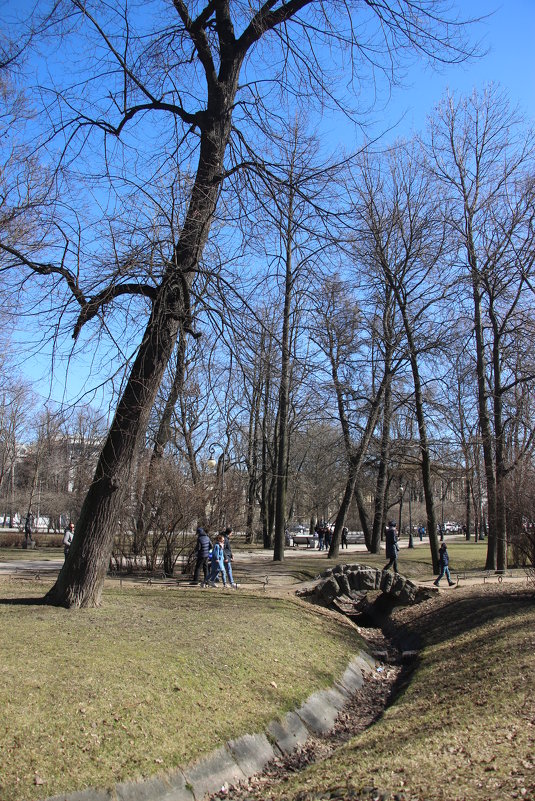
x,y
150,681
464,726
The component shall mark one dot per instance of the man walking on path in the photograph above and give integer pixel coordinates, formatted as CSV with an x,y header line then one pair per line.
x,y
392,547
443,565
203,553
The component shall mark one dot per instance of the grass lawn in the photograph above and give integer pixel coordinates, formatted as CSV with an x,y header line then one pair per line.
x,y
152,680
43,554
159,676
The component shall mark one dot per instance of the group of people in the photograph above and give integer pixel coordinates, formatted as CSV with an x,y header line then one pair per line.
x,y
214,560
324,532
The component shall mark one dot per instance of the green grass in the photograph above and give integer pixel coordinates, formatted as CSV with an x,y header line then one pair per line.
x,y
413,562
152,680
464,726
42,554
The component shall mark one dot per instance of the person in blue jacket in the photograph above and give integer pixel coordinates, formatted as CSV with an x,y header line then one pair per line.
x,y
203,553
443,565
218,562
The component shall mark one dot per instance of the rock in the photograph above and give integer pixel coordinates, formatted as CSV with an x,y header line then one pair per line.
x,y
367,578
398,583
343,583
328,589
387,580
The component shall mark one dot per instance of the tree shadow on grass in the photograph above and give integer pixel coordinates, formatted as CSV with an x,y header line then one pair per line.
x,y
457,616
24,601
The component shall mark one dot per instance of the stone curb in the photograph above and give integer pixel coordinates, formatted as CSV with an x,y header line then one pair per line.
x,y
244,757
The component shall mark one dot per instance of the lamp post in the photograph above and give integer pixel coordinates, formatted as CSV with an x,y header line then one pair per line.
x,y
212,463
411,541
442,498
401,489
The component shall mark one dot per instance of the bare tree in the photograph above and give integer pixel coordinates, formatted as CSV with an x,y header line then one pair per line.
x,y
403,236
482,157
200,73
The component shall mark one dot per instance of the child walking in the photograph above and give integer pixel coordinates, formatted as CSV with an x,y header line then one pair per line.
x,y
218,562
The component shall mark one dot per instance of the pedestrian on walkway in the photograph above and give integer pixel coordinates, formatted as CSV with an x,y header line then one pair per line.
x,y
345,532
321,534
392,546
443,565
228,557
202,550
218,562
68,534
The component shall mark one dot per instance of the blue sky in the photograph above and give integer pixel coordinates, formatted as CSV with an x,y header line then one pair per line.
x,y
507,34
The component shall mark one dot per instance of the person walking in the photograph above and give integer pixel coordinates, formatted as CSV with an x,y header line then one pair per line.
x,y
321,536
227,556
345,532
28,530
68,534
443,565
203,553
392,546
218,562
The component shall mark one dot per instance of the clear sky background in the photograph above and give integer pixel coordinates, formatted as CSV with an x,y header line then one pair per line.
x,y
508,34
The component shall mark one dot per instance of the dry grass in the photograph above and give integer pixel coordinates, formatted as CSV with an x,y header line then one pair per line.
x,y
157,677
152,680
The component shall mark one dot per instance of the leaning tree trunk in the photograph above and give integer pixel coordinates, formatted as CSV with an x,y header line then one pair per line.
x,y
424,445
334,547
363,516
144,515
82,576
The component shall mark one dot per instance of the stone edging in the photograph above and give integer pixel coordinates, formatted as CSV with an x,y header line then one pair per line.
x,y
241,759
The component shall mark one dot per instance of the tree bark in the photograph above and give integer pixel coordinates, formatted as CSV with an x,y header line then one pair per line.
x,y
363,515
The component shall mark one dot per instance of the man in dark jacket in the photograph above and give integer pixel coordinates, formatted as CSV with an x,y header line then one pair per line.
x,y
392,547
203,552
443,565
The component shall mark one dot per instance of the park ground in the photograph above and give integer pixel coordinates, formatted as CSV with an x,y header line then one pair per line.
x,y
164,673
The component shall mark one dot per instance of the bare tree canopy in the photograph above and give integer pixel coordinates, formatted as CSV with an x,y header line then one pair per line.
x,y
134,103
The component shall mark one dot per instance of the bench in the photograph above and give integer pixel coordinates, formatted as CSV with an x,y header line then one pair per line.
x,y
468,573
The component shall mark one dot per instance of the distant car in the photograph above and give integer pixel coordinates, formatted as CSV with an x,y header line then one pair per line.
x,y
451,527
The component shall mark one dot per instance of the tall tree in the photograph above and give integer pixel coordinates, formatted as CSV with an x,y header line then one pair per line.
x,y
402,236
482,156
